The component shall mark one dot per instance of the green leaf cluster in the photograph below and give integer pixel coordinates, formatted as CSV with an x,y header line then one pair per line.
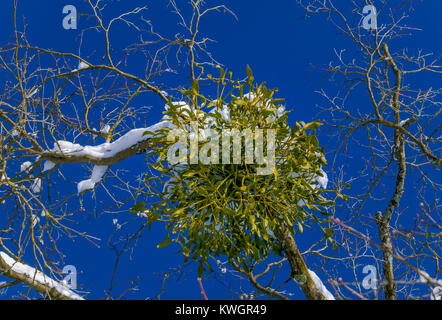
x,y
227,209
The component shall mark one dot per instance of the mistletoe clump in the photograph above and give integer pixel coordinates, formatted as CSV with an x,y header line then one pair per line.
x,y
233,207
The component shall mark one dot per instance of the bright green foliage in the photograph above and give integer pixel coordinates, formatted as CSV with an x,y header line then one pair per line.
x,y
227,209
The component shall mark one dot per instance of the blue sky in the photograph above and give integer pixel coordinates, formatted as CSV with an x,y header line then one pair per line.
x,y
279,44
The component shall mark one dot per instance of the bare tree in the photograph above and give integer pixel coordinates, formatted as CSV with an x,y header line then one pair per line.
x,y
382,111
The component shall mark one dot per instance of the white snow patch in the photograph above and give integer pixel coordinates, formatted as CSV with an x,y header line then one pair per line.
x,y
322,181
321,287
34,220
82,65
106,129
32,92
25,166
143,214
36,186
401,124
96,176
48,165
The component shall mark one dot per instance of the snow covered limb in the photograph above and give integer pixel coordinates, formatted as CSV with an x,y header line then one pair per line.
x,y
310,284
60,158
35,279
320,285
106,154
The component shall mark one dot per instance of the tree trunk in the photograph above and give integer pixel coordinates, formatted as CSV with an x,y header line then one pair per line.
x,y
300,271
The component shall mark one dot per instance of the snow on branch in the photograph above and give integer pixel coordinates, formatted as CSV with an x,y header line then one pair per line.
x,y
37,280
321,287
96,176
105,154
